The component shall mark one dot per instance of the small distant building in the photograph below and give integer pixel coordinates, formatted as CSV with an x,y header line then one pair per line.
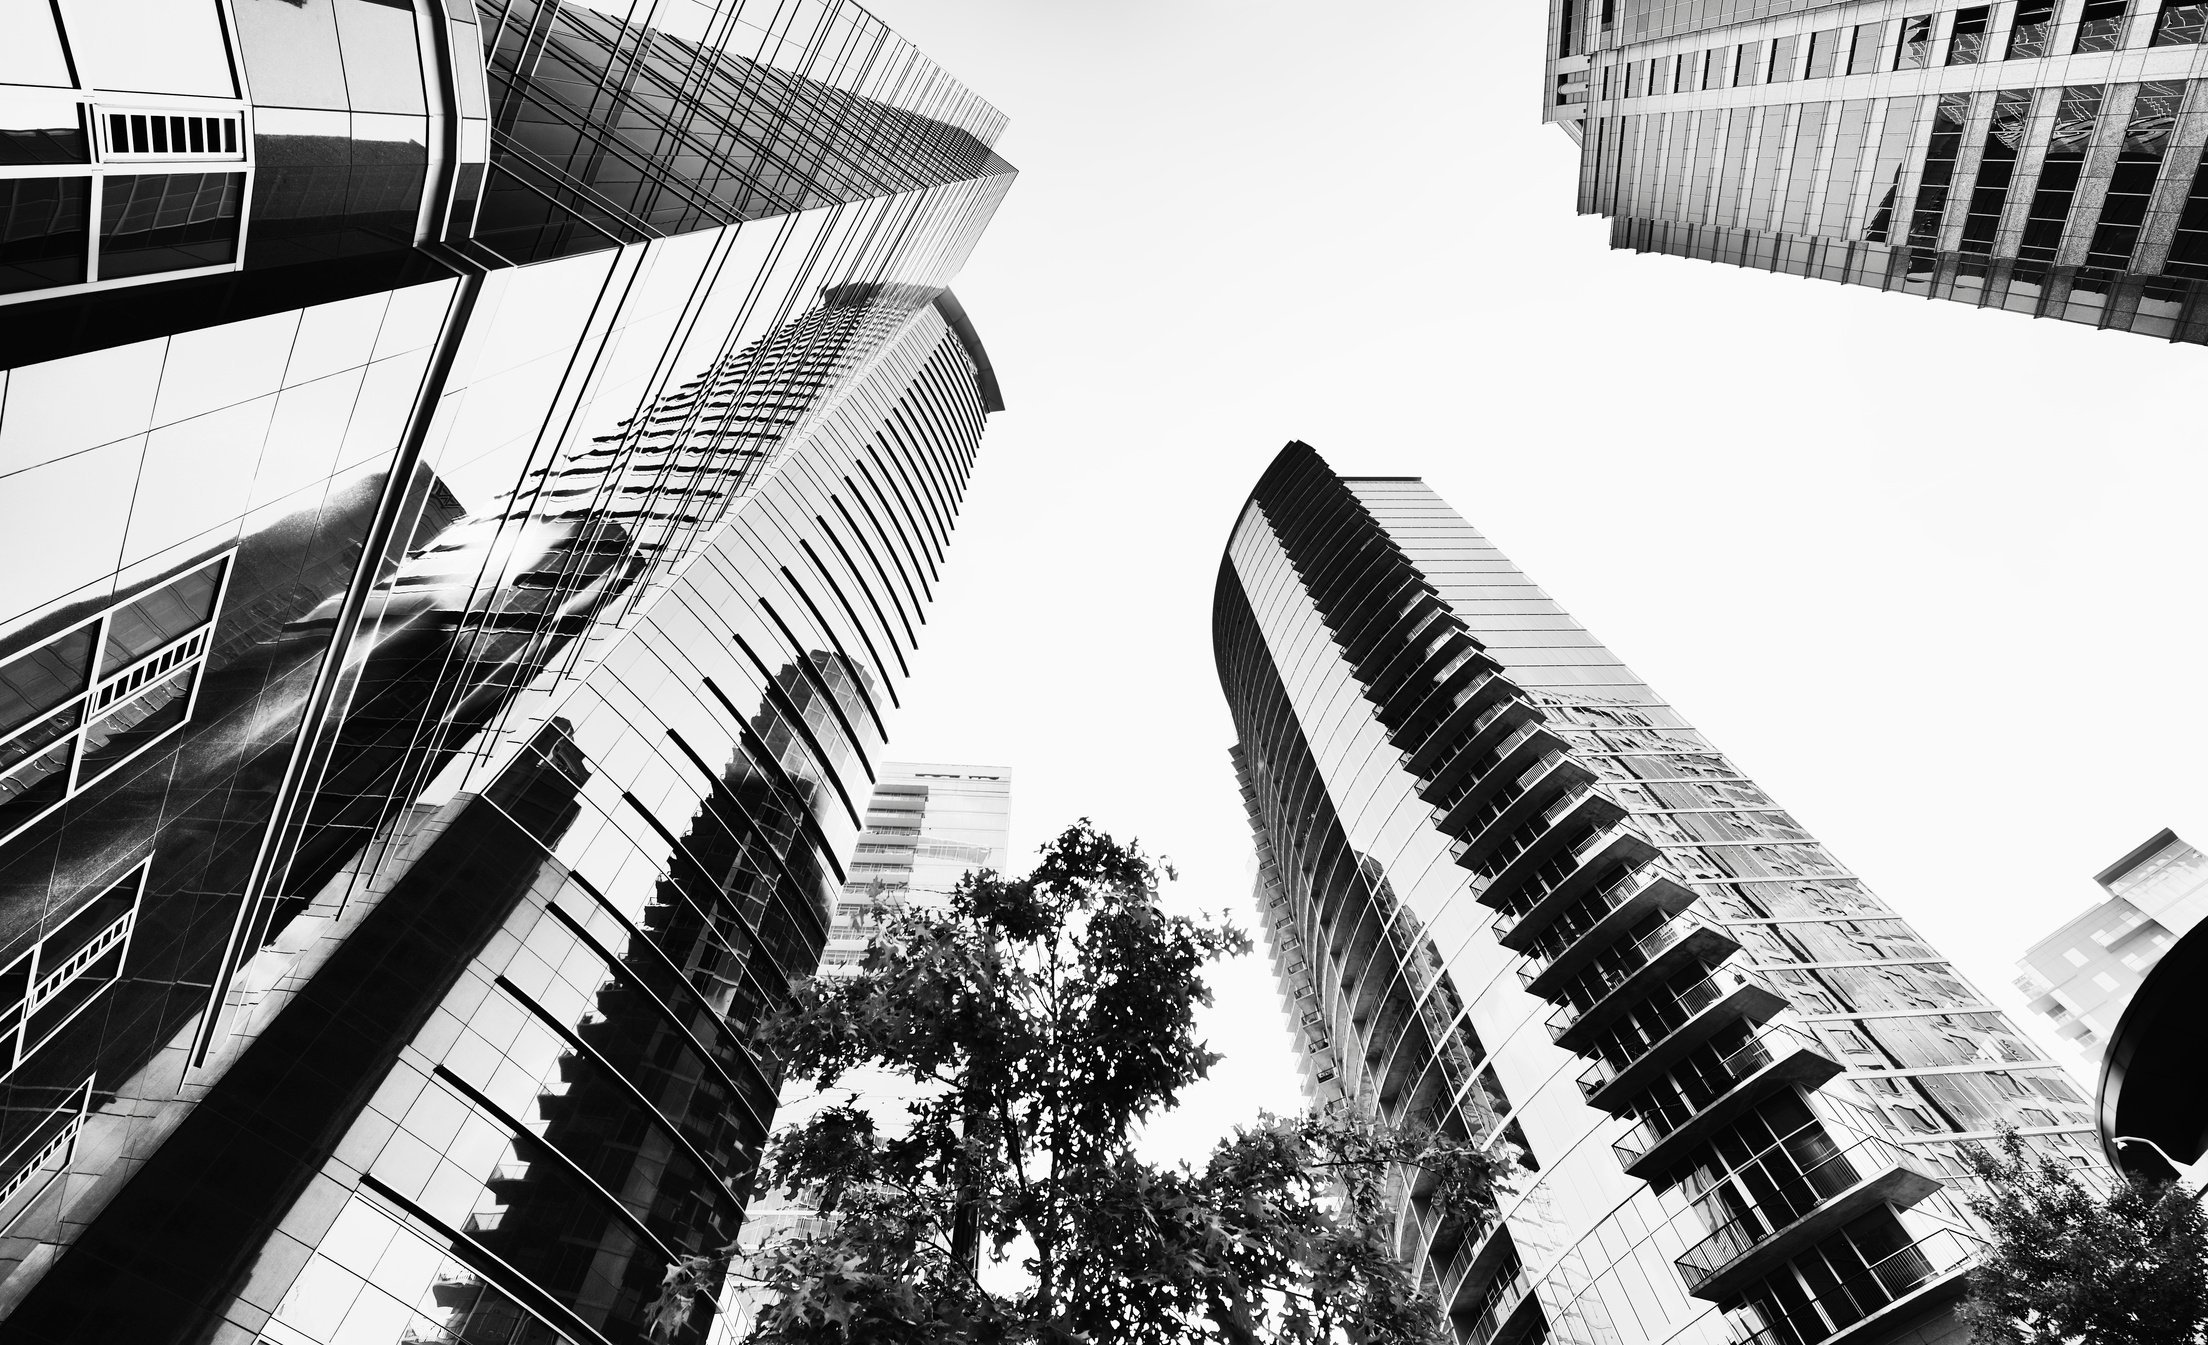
x,y
2082,977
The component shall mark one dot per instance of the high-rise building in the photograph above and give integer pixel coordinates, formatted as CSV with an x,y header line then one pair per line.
x,y
2081,977
927,826
2040,157
472,497
1512,895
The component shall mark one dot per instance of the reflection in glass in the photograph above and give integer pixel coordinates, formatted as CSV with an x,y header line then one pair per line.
x,y
44,229
168,222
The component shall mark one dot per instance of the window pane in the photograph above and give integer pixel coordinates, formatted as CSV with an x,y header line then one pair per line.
x,y
44,227
168,222
153,46
141,719
44,678
159,617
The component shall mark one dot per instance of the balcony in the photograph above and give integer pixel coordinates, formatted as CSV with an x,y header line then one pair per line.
x,y
1481,710
1614,909
1725,996
1492,768
1820,1198
1772,1059
1648,962
1932,1270
1621,845
1536,786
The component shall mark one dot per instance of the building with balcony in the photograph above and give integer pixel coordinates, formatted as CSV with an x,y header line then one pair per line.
x,y
2082,977
2041,156
1513,896
928,825
476,477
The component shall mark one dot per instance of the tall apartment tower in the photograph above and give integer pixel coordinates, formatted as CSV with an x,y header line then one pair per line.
x,y
2081,977
2042,156
475,479
1512,895
927,826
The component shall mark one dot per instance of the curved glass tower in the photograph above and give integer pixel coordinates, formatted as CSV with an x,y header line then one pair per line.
x,y
474,487
1511,895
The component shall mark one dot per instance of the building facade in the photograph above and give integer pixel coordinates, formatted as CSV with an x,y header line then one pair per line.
x,y
2042,156
927,826
2082,976
1511,895
474,497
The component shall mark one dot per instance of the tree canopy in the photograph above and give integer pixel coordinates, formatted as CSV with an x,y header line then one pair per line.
x,y
2069,1265
1047,1017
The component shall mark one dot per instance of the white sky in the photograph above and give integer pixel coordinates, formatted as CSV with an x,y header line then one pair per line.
x,y
1931,575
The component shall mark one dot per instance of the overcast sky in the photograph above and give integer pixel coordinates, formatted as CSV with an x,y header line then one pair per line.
x,y
1931,575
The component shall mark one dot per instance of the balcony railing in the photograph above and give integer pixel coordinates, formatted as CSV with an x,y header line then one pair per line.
x,y
1798,1203
1775,1056
1663,948
1584,929
1854,1297
1695,1013
1564,889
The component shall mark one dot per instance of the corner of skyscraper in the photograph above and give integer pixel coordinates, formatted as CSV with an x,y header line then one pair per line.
x,y
476,478
1513,896
2038,157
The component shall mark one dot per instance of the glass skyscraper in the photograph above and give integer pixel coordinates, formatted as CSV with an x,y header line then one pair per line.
x,y
1511,895
927,826
474,478
2033,155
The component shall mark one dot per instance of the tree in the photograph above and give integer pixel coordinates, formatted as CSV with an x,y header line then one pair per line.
x,y
1049,1016
2068,1264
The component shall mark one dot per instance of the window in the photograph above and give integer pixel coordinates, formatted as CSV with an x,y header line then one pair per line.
x,y
1863,52
1851,1042
1916,1118
45,229
2033,33
158,135
168,222
1824,52
1783,52
2180,23
91,698
61,974
43,1154
2100,25
2074,957
2105,981
1748,67
1967,45
1915,51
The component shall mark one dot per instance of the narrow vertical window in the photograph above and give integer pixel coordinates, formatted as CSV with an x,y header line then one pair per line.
x,y
1967,43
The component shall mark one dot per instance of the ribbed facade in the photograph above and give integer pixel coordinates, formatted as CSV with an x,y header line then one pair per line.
x,y
442,668
1512,895
2042,156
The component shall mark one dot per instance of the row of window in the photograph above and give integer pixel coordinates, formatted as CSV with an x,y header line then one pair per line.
x,y
1902,44
82,703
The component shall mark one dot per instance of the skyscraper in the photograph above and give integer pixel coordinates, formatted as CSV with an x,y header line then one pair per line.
x,y
473,496
927,826
2039,157
1512,895
2082,976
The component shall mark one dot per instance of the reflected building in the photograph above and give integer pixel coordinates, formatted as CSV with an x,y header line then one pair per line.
x,y
2036,157
476,479
2081,977
1511,895
927,826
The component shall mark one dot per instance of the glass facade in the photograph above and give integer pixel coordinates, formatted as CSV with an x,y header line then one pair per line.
x,y
2082,976
2040,158
1511,895
927,826
446,644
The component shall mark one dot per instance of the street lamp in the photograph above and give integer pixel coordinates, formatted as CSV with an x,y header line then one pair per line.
x,y
2192,1178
